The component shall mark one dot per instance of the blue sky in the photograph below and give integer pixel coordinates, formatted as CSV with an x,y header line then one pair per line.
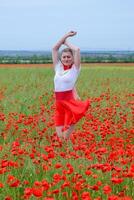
x,y
38,24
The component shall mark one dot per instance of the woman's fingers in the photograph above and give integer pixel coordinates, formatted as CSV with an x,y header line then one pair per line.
x,y
72,33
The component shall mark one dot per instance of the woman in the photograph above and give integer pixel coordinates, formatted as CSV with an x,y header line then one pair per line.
x,y
69,108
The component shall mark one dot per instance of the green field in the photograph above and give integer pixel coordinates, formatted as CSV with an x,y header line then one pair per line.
x,y
96,163
23,87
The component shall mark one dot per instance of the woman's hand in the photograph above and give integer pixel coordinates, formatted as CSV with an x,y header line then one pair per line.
x,y
71,33
75,94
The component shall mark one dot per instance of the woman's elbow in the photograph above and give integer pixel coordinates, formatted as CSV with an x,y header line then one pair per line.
x,y
77,49
54,48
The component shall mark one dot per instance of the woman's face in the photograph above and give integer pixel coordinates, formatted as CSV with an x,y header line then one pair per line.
x,y
67,58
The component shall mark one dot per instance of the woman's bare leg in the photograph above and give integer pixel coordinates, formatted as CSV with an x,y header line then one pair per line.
x,y
59,131
67,133
64,134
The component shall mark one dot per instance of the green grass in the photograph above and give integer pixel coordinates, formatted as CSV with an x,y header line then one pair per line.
x,y
22,87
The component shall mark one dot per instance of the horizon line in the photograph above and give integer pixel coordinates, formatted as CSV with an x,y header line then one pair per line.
x,y
85,49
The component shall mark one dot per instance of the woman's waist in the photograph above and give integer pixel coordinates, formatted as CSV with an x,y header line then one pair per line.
x,y
64,95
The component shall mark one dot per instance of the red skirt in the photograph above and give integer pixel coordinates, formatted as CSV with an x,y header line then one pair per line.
x,y
69,110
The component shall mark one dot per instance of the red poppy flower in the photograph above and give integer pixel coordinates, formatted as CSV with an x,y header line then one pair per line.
x,y
117,180
107,189
38,192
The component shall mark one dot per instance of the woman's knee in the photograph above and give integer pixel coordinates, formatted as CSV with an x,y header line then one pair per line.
x,y
59,130
69,131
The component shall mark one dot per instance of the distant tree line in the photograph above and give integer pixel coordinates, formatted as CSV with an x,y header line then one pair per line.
x,y
25,60
36,59
108,59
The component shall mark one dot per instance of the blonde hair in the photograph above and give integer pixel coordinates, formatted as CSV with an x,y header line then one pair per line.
x,y
66,50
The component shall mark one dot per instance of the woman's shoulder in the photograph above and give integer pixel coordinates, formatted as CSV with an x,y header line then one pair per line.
x,y
57,66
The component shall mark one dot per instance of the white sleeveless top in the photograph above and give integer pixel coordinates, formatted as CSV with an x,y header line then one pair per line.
x,y
65,80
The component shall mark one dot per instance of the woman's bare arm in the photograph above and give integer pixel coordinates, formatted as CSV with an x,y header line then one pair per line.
x,y
76,50
76,96
56,47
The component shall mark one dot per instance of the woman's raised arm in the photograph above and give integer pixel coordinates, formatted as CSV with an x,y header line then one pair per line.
x,y
56,47
76,50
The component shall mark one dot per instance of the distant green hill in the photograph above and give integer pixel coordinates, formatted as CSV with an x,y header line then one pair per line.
x,y
46,57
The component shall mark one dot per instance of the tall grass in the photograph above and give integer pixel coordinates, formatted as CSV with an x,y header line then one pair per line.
x,y
22,87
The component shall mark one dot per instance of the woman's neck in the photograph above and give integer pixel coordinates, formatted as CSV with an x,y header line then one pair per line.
x,y
66,67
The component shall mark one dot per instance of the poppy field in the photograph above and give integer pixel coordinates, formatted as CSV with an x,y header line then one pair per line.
x,y
96,163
